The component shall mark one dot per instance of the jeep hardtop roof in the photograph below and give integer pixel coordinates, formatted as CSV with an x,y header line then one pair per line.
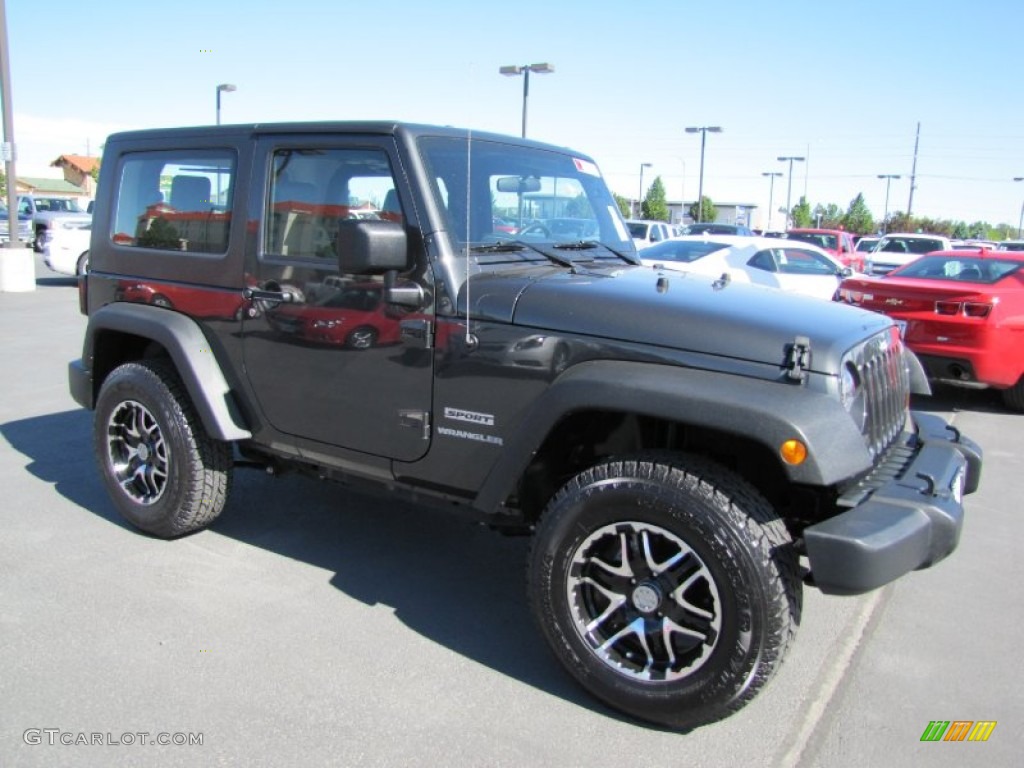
x,y
402,130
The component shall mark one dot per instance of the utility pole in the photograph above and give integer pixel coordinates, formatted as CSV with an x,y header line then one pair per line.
x,y
913,174
17,265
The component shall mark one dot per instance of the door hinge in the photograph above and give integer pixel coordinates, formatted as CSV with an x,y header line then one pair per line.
x,y
420,331
416,420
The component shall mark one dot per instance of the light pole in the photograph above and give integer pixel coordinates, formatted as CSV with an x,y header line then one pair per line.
x,y
223,87
771,193
640,196
888,180
1020,221
789,190
525,70
703,130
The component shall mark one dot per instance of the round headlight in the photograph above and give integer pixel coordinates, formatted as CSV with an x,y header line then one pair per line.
x,y
851,394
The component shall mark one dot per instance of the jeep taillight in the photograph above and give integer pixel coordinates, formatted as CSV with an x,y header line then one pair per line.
x,y
83,294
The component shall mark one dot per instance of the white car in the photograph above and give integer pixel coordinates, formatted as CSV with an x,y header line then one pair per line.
x,y
66,249
899,248
645,233
788,265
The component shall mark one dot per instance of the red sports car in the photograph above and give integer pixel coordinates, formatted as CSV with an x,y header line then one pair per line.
x,y
962,312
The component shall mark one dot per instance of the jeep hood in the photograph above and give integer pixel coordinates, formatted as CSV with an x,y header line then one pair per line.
x,y
673,310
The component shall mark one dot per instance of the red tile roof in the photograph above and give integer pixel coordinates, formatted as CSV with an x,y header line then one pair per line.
x,y
81,162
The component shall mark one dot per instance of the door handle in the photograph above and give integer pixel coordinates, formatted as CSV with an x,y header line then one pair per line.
x,y
261,294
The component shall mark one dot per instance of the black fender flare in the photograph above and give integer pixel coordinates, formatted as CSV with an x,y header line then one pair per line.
x,y
764,411
191,353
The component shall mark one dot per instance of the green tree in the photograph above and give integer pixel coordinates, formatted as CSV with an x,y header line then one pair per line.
x,y
654,207
828,216
706,212
625,206
3,184
857,218
801,215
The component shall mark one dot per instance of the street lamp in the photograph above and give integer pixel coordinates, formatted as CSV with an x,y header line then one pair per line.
x,y
771,192
1020,221
789,189
223,87
641,195
888,180
525,70
703,130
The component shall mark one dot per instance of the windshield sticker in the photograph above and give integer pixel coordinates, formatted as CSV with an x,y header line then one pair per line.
x,y
457,414
620,228
585,166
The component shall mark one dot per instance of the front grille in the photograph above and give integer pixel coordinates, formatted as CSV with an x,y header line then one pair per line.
x,y
885,382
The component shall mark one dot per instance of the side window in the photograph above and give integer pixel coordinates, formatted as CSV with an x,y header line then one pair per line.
x,y
797,261
763,260
177,201
311,190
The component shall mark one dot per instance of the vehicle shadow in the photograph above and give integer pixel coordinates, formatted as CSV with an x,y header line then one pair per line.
x,y
451,580
946,398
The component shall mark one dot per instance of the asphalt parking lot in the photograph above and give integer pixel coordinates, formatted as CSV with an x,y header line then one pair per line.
x,y
315,626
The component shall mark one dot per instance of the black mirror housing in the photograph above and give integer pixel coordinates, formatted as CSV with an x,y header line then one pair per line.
x,y
372,247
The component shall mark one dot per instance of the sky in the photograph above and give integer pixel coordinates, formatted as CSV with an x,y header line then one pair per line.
x,y
843,84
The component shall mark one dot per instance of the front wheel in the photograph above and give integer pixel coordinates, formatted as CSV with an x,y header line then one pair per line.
x,y
666,586
163,472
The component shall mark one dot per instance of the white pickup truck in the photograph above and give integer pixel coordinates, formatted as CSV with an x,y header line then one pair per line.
x,y
45,211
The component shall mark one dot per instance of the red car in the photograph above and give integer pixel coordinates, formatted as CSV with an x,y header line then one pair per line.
x,y
838,242
962,312
354,316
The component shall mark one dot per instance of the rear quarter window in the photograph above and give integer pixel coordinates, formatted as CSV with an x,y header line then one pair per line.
x,y
174,201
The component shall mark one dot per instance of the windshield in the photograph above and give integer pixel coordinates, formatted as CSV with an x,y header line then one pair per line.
x,y
683,251
504,193
828,242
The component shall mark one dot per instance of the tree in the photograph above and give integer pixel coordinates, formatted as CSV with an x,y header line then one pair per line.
x,y
3,184
654,207
707,211
858,219
625,206
801,216
828,216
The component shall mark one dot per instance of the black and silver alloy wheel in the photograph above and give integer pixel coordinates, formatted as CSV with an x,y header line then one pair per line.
x,y
137,453
666,585
644,601
162,470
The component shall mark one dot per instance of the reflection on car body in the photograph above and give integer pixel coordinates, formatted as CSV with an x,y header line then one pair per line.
x,y
353,316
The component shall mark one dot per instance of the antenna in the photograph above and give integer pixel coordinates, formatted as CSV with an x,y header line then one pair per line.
x,y
471,340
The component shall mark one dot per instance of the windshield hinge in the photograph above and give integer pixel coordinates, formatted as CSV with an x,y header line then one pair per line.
x,y
798,359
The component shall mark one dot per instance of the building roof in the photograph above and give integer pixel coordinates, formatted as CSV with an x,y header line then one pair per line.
x,y
38,185
83,163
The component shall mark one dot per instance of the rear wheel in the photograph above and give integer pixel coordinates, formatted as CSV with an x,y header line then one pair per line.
x,y
83,264
163,472
666,586
1013,397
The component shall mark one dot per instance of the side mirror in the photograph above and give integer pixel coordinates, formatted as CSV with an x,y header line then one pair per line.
x,y
372,247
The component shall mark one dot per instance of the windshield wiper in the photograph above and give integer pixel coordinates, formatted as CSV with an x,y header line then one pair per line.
x,y
586,245
505,246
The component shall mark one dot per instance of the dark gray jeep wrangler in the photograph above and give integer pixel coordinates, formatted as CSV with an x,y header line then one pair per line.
x,y
461,318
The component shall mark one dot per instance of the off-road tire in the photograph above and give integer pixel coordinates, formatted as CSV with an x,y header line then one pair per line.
x,y
729,577
164,473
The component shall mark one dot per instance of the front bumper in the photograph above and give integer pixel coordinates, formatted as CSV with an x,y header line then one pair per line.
x,y
906,514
